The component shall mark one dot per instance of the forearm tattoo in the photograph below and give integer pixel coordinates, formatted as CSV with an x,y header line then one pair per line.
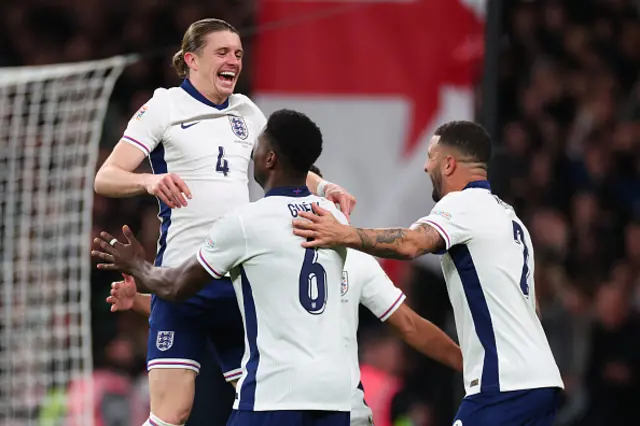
x,y
400,243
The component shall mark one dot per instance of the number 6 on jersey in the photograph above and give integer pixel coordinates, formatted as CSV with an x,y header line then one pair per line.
x,y
313,277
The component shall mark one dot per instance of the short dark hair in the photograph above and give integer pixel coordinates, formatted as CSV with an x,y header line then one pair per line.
x,y
295,138
315,170
469,138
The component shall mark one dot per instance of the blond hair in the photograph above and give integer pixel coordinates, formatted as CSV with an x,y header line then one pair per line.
x,y
194,39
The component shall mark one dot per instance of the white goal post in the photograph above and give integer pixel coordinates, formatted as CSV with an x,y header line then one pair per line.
x,y
51,119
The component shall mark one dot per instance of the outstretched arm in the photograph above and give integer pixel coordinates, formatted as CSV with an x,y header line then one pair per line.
x,y
172,283
425,337
323,230
396,243
168,283
331,192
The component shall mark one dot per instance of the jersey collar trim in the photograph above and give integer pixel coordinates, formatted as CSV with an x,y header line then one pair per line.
x,y
483,184
289,191
191,90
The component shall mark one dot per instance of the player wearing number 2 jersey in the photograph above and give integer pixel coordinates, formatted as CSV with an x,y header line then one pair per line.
x,y
294,370
510,375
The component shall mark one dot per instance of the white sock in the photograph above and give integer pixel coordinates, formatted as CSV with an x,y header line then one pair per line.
x,y
155,421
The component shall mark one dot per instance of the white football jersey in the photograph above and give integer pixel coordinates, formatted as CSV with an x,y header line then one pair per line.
x,y
364,282
488,268
295,355
209,146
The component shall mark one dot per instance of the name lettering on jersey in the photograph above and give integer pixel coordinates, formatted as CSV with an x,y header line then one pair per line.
x,y
502,203
239,127
302,207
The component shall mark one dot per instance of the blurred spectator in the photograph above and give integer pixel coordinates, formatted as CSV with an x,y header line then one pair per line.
x,y
380,367
569,164
116,400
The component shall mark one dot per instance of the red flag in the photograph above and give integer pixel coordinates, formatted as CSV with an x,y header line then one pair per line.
x,y
367,51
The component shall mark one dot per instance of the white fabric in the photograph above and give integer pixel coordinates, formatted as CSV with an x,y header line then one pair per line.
x,y
503,344
294,346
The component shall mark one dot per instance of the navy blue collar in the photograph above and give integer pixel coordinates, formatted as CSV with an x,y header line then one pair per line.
x,y
289,191
190,89
484,184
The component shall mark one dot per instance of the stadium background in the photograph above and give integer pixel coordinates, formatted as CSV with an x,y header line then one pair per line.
x,y
558,89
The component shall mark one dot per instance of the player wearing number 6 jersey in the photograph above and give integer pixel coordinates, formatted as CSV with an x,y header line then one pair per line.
x,y
295,369
510,375
363,283
199,138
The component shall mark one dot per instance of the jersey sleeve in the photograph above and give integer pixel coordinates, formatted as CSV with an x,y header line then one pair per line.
x,y
451,219
379,294
224,247
146,127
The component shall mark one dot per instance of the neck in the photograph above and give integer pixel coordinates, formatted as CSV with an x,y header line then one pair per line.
x,y
279,179
204,88
462,182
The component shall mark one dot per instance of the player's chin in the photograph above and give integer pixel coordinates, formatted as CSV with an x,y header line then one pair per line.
x,y
225,86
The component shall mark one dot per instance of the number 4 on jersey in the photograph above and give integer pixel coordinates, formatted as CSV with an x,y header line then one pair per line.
x,y
518,236
222,166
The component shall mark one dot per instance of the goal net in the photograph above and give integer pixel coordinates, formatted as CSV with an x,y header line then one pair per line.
x,y
50,124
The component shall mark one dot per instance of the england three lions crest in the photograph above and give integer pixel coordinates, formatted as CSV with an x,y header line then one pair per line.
x,y
164,340
344,287
239,127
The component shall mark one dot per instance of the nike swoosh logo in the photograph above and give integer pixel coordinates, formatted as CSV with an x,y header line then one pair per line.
x,y
186,126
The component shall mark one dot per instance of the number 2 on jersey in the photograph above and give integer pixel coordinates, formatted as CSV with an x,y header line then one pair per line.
x,y
313,271
222,166
518,235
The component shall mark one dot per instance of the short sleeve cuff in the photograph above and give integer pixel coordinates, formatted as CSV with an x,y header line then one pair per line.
x,y
132,141
215,274
440,230
394,307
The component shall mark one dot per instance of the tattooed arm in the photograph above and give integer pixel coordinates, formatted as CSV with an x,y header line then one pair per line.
x,y
397,243
323,230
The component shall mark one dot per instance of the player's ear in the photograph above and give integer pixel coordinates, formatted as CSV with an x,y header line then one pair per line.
x,y
272,160
191,60
448,165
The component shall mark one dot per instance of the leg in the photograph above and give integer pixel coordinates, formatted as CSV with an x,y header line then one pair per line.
x,y
174,351
214,397
171,393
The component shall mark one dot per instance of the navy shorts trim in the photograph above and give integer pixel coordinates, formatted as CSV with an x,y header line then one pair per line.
x,y
179,333
531,407
289,418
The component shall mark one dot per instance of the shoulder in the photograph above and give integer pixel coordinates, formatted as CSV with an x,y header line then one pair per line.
x,y
163,95
329,205
358,261
458,202
247,106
